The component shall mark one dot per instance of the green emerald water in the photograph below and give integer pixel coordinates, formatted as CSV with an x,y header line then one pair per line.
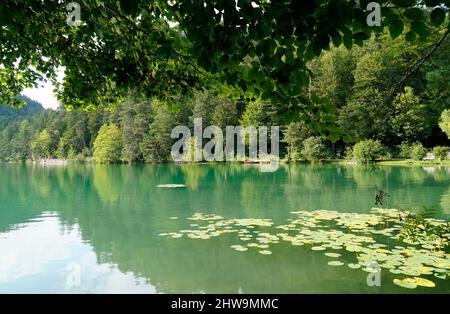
x,y
103,224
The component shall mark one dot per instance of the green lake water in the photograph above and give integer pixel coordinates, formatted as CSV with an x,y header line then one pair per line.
x,y
102,224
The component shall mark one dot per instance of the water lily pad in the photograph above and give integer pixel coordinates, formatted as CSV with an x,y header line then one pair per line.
x,y
370,269
335,263
318,248
395,271
354,266
239,248
424,282
426,270
332,254
408,283
388,266
440,276
352,248
265,252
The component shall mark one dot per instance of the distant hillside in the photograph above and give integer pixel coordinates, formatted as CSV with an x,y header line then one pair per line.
x,y
9,114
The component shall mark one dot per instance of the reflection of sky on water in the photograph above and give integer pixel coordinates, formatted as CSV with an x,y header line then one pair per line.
x,y
37,256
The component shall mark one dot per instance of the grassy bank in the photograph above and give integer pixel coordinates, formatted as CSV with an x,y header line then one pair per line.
x,y
392,162
410,162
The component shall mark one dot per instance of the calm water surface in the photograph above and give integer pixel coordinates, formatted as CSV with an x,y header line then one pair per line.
x,y
94,229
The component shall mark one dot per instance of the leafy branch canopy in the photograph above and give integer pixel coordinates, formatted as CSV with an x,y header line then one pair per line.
x,y
256,48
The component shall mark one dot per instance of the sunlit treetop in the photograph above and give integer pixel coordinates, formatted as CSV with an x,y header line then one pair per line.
x,y
164,48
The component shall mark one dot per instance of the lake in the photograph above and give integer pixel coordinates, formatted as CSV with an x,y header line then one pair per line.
x,y
88,228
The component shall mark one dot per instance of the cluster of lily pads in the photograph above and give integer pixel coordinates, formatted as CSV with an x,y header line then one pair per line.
x,y
374,238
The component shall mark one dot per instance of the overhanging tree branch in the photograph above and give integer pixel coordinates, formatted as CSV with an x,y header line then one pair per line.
x,y
419,63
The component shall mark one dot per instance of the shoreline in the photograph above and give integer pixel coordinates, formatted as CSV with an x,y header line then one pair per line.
x,y
346,162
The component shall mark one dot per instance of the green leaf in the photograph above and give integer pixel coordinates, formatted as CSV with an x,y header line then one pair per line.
x,y
348,41
396,28
337,40
419,27
266,95
414,14
361,36
410,36
437,16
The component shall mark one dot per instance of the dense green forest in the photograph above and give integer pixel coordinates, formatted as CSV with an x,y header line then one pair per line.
x,y
10,114
387,120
